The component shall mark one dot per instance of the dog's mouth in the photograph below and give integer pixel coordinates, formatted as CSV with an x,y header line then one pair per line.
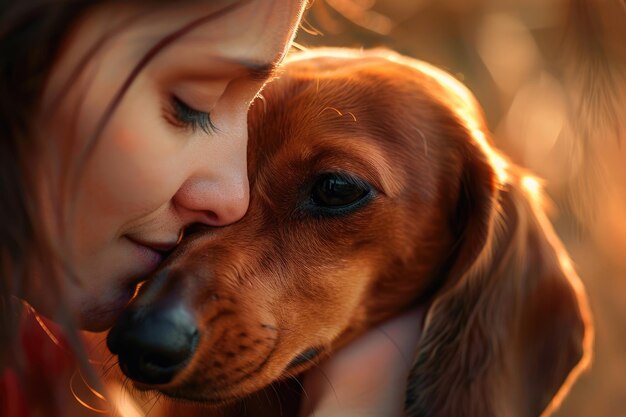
x,y
222,395
307,356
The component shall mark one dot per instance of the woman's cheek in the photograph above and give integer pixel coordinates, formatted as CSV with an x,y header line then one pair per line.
x,y
137,165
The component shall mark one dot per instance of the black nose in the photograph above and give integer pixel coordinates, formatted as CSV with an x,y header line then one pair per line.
x,y
153,343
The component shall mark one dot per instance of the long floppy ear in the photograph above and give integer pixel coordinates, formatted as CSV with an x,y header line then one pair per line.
x,y
508,332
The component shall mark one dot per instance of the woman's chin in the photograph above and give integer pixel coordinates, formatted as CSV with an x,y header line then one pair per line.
x,y
98,317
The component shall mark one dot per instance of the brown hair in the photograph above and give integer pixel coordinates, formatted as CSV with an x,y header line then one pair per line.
x,y
30,36
32,33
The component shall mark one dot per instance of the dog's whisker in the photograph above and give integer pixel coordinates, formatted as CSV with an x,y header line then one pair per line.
x,y
295,378
125,390
243,408
100,343
395,344
280,403
107,362
109,369
157,397
94,348
267,397
149,398
319,369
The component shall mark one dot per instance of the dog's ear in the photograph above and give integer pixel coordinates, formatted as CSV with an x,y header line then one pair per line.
x,y
508,327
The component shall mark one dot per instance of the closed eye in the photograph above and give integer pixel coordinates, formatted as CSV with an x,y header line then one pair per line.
x,y
183,115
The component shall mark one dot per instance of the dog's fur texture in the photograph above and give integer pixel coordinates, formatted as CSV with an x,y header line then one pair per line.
x,y
448,223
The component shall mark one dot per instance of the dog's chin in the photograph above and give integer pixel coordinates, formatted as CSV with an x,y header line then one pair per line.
x,y
216,397
204,398
182,394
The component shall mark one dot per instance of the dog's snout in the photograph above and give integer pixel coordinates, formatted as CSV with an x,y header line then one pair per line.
x,y
154,342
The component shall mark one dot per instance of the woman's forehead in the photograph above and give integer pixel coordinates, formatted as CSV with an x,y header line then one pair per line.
x,y
253,34
198,39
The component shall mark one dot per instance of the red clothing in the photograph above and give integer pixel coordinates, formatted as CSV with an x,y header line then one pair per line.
x,y
12,397
32,387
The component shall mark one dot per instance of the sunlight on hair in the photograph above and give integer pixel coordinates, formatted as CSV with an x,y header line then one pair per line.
x,y
307,27
118,401
500,165
338,112
466,108
578,287
92,390
43,326
298,47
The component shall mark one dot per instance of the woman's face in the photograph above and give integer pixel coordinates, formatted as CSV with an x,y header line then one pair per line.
x,y
173,151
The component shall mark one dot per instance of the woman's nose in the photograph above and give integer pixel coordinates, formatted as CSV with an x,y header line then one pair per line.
x,y
216,194
213,203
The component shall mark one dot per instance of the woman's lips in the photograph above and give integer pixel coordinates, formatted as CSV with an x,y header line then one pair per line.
x,y
99,315
151,258
164,246
151,253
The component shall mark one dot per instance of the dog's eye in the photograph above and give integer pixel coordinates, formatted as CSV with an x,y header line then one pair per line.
x,y
337,191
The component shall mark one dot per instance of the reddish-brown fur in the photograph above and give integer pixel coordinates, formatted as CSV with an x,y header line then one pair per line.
x,y
453,226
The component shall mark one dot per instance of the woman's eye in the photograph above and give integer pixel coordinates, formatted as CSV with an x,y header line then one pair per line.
x,y
186,116
335,191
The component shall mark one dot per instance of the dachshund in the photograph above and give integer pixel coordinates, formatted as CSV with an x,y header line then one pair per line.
x,y
374,189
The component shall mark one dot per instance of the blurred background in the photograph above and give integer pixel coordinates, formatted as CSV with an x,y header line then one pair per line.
x,y
551,76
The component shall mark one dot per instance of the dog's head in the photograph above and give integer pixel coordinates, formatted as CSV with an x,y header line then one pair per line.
x,y
373,189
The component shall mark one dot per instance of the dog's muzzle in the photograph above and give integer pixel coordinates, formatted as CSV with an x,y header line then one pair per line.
x,y
154,342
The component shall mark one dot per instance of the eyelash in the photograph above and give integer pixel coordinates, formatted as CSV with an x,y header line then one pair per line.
x,y
188,117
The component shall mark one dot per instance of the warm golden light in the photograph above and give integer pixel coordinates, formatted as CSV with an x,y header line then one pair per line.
x,y
531,185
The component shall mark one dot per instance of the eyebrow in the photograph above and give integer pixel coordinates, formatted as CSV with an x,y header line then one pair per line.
x,y
253,69
260,71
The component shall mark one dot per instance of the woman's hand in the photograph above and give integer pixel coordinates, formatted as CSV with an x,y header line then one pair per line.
x,y
368,377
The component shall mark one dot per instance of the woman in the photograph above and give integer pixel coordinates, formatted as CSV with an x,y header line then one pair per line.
x,y
122,124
